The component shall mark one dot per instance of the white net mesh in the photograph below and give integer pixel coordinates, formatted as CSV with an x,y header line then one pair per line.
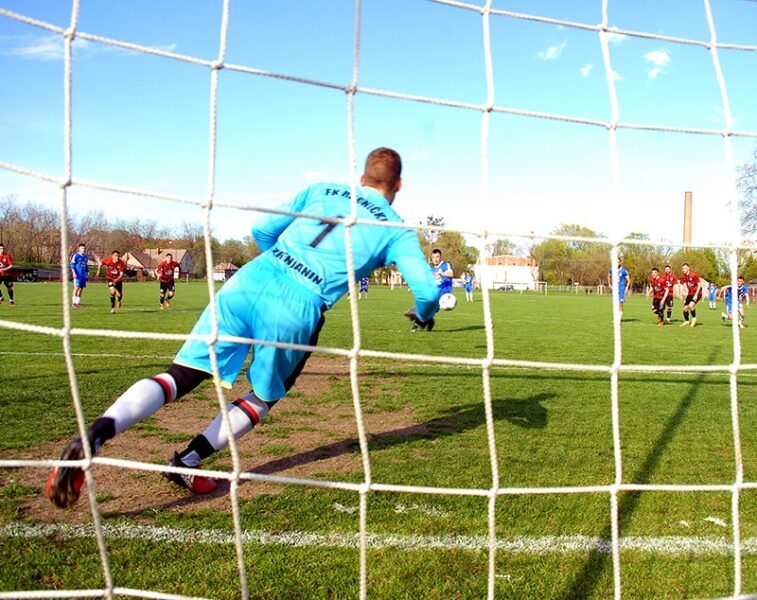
x,y
357,352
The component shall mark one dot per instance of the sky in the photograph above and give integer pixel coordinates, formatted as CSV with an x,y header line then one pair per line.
x,y
142,121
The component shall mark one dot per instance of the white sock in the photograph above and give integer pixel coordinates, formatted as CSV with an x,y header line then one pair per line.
x,y
244,414
76,300
141,400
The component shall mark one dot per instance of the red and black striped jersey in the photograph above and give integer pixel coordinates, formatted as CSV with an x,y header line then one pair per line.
x,y
165,271
114,269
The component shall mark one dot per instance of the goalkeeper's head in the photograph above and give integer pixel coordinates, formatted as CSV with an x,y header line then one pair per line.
x,y
383,171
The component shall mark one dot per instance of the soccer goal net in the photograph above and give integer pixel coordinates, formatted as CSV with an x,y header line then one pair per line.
x,y
485,106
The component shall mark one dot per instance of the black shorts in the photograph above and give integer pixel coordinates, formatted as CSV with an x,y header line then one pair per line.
x,y
8,281
167,286
669,301
657,305
118,285
692,298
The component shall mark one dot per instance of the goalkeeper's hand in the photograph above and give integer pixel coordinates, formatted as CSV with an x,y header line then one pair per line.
x,y
429,324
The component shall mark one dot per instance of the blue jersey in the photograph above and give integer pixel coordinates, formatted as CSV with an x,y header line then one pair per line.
x,y
444,282
364,284
468,281
711,291
79,265
312,253
622,278
742,290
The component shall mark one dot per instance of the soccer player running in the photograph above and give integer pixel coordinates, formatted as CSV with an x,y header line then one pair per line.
x,y
712,295
671,281
363,288
281,296
6,263
659,289
114,277
742,293
165,272
624,280
694,294
79,271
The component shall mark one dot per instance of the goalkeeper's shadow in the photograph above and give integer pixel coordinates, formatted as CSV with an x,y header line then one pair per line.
x,y
527,413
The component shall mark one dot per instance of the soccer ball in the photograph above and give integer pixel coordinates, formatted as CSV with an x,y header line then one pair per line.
x,y
447,301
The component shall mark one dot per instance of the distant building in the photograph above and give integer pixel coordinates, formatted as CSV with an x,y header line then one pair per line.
x,y
224,270
520,272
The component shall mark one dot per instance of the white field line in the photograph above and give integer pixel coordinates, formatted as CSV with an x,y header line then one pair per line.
x,y
742,374
671,545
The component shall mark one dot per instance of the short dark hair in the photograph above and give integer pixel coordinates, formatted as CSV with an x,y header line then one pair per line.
x,y
436,251
383,168
655,269
169,254
115,252
82,244
685,265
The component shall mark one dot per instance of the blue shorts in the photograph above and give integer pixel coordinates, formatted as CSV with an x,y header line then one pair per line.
x,y
729,304
264,304
621,295
80,282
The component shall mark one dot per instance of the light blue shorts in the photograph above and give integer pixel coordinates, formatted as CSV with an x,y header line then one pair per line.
x,y
261,303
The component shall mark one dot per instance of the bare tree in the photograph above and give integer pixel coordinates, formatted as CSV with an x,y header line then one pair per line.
x,y
747,185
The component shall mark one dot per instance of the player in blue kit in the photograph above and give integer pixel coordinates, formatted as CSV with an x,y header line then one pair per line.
x,y
363,288
281,296
79,271
442,272
712,295
742,293
623,281
468,281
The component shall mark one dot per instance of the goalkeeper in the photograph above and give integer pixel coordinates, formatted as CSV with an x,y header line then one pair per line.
x,y
281,296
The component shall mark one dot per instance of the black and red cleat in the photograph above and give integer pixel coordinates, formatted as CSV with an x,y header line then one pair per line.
x,y
64,486
196,484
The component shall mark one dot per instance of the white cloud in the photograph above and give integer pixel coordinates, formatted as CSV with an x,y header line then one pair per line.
x,y
586,69
661,61
50,47
553,52
661,58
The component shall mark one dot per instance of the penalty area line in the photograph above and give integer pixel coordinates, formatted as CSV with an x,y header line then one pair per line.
x,y
669,545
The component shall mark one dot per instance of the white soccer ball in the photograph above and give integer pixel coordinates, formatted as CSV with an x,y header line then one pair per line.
x,y
447,301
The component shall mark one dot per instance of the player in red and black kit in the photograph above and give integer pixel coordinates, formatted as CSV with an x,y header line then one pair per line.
x,y
165,273
671,280
693,295
6,262
659,288
114,276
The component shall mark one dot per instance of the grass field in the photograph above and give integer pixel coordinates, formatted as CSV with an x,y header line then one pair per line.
x,y
427,428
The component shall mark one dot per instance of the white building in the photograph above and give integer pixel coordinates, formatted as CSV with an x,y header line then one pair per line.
x,y
522,273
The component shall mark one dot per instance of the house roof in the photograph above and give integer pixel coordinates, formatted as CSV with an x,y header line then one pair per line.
x,y
139,260
159,254
222,267
508,260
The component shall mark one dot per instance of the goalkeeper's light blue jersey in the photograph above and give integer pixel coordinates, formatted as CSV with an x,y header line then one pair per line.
x,y
79,264
312,252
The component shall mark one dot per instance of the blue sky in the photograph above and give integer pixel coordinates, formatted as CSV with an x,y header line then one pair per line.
x,y
142,121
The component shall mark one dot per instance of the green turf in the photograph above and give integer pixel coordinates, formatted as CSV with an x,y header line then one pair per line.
x,y
552,428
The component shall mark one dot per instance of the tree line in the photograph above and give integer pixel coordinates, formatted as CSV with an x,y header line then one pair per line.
x,y
32,233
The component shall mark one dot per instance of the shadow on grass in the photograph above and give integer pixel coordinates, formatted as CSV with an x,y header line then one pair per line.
x,y
585,582
528,413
